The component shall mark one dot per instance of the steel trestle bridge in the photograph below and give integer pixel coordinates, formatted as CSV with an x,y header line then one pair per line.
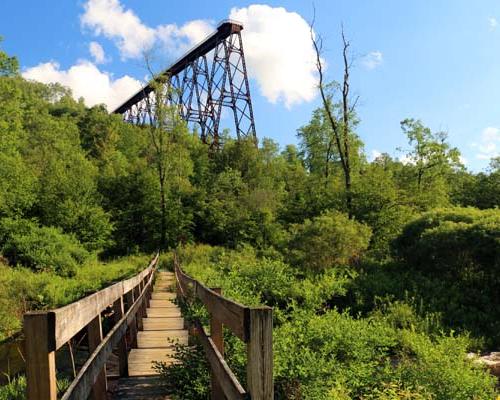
x,y
207,79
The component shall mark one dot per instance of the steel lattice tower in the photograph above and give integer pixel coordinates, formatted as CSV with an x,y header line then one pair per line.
x,y
210,77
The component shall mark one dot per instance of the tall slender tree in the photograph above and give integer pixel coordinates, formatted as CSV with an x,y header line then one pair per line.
x,y
341,121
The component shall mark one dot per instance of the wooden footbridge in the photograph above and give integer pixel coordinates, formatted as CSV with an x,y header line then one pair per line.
x,y
145,322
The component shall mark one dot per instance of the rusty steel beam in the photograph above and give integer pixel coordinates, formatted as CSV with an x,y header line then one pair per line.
x,y
210,77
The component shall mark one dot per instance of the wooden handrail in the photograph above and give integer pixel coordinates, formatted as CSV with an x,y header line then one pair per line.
x,y
82,385
251,324
47,331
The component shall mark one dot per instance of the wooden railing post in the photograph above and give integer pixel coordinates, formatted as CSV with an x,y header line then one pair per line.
x,y
122,344
142,309
94,333
39,330
260,354
216,334
130,297
147,297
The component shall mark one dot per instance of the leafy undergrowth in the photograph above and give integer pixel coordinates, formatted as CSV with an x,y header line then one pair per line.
x,y
323,353
22,289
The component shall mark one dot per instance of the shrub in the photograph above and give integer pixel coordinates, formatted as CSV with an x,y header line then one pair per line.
x,y
14,390
329,240
336,356
40,248
457,243
189,378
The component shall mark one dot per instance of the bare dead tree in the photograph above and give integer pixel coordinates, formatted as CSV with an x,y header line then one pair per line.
x,y
339,125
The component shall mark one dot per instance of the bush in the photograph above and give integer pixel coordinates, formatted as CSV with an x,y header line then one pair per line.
x,y
254,280
456,252
329,240
189,378
457,243
40,248
336,356
14,390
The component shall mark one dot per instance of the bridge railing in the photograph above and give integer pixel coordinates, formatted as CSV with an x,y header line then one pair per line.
x,y
48,331
253,325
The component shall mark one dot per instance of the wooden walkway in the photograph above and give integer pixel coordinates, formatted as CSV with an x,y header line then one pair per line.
x,y
145,324
162,326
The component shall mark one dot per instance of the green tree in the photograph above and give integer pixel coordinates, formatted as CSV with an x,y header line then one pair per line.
x,y
9,66
428,163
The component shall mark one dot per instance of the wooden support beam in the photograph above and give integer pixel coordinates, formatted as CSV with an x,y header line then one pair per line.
x,y
39,329
130,297
231,388
260,354
122,343
94,333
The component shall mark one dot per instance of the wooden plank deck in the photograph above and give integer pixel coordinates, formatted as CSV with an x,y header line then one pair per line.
x,y
140,388
162,325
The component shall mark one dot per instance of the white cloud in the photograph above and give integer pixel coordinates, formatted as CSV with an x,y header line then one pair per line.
x,y
177,40
489,144
279,53
97,53
372,60
493,23
109,18
277,43
463,160
87,81
132,37
374,154
407,159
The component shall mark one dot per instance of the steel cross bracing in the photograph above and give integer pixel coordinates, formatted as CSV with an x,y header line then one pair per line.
x,y
208,79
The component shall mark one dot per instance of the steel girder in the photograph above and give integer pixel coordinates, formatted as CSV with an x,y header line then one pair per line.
x,y
210,78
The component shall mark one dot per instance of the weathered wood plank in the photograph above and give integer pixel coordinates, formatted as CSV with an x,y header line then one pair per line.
x,y
163,312
154,324
225,377
140,388
260,354
162,296
230,313
161,303
216,334
172,333
69,320
94,333
80,387
118,311
40,355
75,316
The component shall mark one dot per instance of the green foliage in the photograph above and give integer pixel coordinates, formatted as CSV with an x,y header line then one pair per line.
x,y
14,390
352,318
40,248
430,160
445,254
190,377
460,243
8,65
329,240
23,290
322,353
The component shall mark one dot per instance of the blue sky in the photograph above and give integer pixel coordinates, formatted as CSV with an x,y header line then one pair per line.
x,y
437,61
